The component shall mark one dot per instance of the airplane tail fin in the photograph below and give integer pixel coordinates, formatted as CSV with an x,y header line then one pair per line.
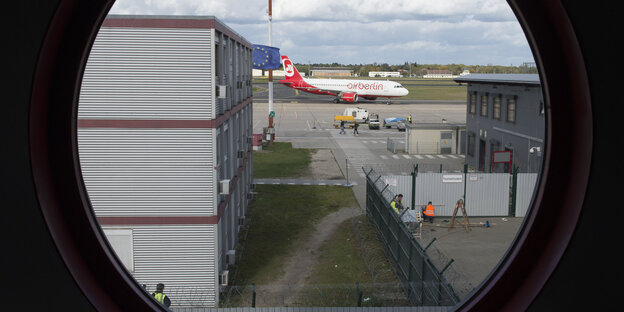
x,y
290,71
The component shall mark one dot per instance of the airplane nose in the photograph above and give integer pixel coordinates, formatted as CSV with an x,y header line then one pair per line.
x,y
405,92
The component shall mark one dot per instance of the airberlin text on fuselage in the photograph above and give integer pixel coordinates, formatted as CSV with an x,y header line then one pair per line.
x,y
365,86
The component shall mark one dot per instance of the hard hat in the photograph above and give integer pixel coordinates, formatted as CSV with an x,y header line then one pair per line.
x,y
160,286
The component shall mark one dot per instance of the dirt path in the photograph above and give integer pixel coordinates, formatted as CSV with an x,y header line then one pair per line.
x,y
302,261
300,265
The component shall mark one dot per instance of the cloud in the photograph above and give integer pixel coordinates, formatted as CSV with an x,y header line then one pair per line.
x,y
362,31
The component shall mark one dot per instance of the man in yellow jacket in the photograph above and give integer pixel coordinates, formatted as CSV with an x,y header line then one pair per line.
x,y
396,204
428,212
160,296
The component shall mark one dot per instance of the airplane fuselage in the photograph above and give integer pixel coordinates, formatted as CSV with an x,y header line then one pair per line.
x,y
343,89
364,88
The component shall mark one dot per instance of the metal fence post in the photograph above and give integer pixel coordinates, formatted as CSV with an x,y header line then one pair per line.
x,y
465,182
358,294
414,173
514,189
253,295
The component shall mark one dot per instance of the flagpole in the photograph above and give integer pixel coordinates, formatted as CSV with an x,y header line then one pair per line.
x,y
271,76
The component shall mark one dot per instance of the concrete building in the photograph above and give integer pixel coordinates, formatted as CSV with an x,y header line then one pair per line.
x,y
438,138
165,140
331,72
505,113
265,73
438,74
384,74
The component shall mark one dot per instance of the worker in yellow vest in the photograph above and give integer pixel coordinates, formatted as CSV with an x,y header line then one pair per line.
x,y
409,118
160,296
428,212
396,204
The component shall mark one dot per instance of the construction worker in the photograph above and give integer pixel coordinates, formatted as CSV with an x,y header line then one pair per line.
x,y
409,118
160,296
396,204
428,212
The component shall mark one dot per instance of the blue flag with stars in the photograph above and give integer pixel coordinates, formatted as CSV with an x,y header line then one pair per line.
x,y
265,57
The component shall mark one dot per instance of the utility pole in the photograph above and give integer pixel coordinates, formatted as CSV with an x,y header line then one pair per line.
x,y
271,112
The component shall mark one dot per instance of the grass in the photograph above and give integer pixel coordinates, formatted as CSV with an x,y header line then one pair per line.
x,y
342,265
281,216
442,92
280,160
423,89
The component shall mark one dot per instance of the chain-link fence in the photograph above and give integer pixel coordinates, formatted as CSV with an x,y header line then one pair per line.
x,y
333,295
423,277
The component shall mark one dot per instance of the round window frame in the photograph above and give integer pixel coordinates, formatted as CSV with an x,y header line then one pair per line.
x,y
513,285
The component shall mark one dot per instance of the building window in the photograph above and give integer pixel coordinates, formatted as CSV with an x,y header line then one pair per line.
x,y
471,144
473,103
511,110
484,105
497,108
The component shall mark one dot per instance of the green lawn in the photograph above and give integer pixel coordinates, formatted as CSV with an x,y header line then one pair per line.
x,y
280,160
419,92
280,216
342,264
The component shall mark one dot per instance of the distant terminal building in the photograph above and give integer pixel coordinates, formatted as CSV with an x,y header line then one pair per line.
x,y
265,73
438,73
383,74
505,113
165,146
331,72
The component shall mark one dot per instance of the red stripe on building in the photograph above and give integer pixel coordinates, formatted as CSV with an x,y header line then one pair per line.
x,y
163,123
159,220
172,22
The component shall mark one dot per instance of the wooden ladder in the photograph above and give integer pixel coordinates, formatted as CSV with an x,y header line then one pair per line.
x,y
465,222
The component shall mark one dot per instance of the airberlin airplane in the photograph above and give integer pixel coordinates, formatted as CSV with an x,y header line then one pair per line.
x,y
347,90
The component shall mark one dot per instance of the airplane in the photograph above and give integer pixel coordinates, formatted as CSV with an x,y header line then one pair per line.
x,y
347,90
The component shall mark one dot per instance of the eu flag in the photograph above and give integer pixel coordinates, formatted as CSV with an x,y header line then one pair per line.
x,y
265,57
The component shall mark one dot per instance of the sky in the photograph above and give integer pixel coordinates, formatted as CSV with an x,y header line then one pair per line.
x,y
470,32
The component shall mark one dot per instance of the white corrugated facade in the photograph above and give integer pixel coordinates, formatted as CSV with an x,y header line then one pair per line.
x,y
155,142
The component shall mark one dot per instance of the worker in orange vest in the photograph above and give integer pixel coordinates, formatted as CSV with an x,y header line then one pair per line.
x,y
428,212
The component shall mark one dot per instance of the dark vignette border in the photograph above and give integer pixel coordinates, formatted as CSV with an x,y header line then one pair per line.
x,y
512,286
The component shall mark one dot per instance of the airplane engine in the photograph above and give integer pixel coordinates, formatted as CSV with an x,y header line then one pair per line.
x,y
349,97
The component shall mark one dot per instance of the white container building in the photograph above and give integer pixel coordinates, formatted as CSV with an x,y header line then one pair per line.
x,y
165,141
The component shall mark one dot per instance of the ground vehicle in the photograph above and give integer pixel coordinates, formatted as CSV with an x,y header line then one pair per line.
x,y
373,121
393,121
359,114
349,121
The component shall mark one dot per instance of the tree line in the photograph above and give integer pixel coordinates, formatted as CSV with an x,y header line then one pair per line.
x,y
418,70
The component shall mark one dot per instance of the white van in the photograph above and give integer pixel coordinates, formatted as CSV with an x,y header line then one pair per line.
x,y
360,115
